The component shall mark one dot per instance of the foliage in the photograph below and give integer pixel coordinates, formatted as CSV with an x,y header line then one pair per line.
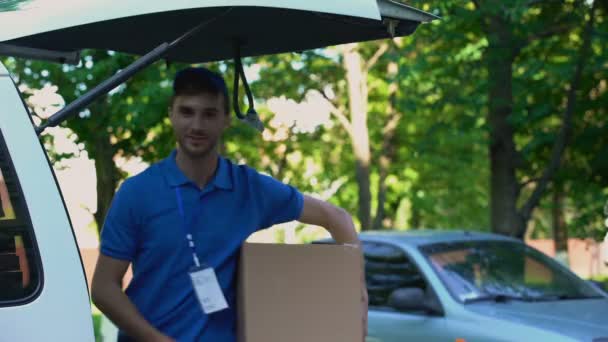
x,y
439,174
97,317
547,37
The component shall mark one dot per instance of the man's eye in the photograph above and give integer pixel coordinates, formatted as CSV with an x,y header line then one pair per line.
x,y
186,112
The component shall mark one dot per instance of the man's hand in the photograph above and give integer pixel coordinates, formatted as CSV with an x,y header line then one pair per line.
x,y
335,220
109,297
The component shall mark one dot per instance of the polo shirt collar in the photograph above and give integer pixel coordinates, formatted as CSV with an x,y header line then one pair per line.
x,y
222,178
223,175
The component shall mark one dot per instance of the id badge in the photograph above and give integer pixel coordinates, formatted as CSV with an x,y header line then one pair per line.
x,y
208,290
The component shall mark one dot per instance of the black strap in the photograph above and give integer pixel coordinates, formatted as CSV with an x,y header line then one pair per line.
x,y
239,74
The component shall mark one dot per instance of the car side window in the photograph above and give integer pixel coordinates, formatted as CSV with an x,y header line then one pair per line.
x,y
388,268
19,266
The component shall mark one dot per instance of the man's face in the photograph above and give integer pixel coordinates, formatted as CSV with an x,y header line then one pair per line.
x,y
198,122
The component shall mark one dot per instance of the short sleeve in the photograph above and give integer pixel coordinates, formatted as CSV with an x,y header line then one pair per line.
x,y
118,235
279,202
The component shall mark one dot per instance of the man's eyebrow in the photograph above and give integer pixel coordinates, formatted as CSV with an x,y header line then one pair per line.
x,y
185,107
193,108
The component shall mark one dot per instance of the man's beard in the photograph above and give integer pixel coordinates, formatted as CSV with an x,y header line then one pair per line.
x,y
199,154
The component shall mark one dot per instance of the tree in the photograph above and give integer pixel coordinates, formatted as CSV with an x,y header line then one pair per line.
x,y
522,44
341,77
130,121
504,45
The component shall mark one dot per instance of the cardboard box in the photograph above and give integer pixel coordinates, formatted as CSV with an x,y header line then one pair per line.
x,y
297,293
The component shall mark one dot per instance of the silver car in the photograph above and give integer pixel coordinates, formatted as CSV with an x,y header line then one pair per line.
x,y
466,286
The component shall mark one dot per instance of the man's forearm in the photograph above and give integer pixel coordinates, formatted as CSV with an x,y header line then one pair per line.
x,y
115,304
341,227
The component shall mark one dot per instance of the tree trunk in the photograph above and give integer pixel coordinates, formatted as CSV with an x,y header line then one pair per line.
x,y
505,218
107,176
388,151
563,136
383,173
560,232
356,77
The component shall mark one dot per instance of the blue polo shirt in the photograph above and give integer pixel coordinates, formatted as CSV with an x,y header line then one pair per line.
x,y
144,226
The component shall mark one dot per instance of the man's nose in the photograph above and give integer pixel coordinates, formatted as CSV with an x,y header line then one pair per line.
x,y
198,123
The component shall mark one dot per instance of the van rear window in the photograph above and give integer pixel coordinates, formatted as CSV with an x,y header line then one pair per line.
x,y
19,266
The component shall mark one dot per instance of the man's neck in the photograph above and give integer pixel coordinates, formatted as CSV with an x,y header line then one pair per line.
x,y
199,170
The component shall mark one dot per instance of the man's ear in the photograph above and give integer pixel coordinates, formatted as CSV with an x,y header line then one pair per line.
x,y
228,119
170,113
170,106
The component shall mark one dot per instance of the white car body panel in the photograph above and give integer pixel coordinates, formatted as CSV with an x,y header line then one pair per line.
x,y
49,15
61,311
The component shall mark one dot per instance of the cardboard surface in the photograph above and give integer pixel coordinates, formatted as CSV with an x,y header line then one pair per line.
x,y
299,293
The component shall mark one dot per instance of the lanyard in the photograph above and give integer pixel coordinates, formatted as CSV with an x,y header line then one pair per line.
x,y
187,227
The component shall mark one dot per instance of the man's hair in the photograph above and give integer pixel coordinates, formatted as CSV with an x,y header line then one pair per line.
x,y
193,81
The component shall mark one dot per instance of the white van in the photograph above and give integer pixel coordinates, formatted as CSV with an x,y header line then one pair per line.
x,y
43,290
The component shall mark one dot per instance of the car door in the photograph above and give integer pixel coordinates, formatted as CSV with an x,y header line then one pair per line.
x,y
43,290
387,268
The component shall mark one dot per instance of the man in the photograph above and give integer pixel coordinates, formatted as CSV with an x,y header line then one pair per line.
x,y
187,215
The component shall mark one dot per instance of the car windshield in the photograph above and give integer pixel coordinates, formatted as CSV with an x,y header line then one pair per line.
x,y
501,271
